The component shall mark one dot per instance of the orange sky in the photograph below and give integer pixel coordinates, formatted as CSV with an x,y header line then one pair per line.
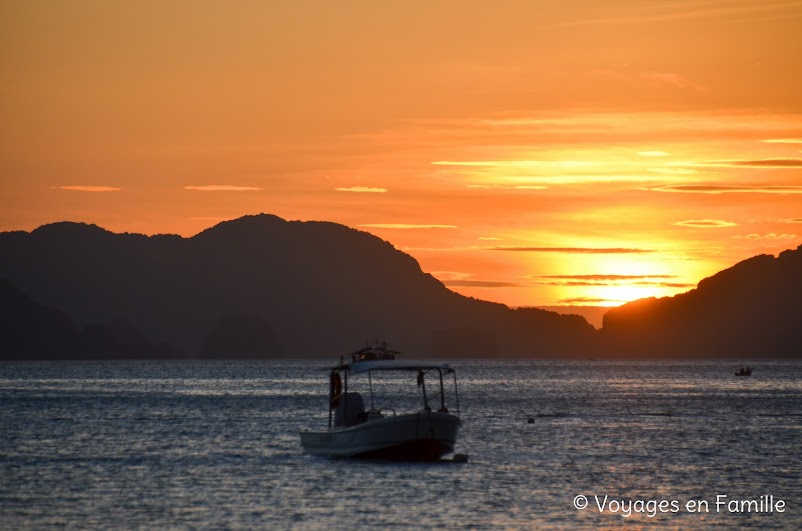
x,y
528,152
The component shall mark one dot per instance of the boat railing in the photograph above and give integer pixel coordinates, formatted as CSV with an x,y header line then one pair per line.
x,y
438,394
433,397
434,392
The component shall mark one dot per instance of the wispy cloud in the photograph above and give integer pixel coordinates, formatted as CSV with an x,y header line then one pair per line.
x,y
643,284
82,188
792,220
574,250
604,277
725,189
665,284
759,163
653,154
705,223
511,136
769,236
500,187
679,11
495,239
581,301
674,171
455,249
450,275
537,174
407,226
672,78
783,140
561,164
481,284
223,188
661,281
363,189
464,280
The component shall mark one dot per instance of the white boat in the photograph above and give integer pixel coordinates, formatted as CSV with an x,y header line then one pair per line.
x,y
427,433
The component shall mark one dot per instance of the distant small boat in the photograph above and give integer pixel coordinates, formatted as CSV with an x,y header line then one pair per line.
x,y
744,371
423,435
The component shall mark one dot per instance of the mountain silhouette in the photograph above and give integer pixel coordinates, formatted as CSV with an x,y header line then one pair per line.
x,y
749,310
29,330
260,286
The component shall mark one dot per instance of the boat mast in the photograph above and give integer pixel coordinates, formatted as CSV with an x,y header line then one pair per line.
x,y
370,385
345,397
456,391
422,384
331,393
442,391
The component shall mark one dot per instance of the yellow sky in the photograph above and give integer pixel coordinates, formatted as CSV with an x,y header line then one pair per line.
x,y
528,152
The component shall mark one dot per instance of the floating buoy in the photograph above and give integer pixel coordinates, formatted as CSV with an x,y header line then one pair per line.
x,y
530,420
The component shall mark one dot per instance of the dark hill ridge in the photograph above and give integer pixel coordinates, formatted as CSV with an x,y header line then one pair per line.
x,y
263,286
31,331
753,309
260,286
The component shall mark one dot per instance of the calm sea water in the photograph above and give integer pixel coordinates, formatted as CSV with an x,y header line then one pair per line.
x,y
215,445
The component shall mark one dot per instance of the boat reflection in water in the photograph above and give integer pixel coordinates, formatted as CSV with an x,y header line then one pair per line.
x,y
382,433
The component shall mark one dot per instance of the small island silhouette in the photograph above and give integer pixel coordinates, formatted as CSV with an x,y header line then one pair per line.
x,y
260,286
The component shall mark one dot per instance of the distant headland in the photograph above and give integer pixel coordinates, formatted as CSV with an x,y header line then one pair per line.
x,y
263,287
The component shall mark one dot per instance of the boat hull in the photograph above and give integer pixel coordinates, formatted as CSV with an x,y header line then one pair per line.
x,y
425,436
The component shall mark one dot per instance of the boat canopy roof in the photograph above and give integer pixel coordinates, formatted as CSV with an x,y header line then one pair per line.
x,y
398,365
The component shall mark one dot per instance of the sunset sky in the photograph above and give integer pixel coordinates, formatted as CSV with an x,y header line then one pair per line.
x,y
526,152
